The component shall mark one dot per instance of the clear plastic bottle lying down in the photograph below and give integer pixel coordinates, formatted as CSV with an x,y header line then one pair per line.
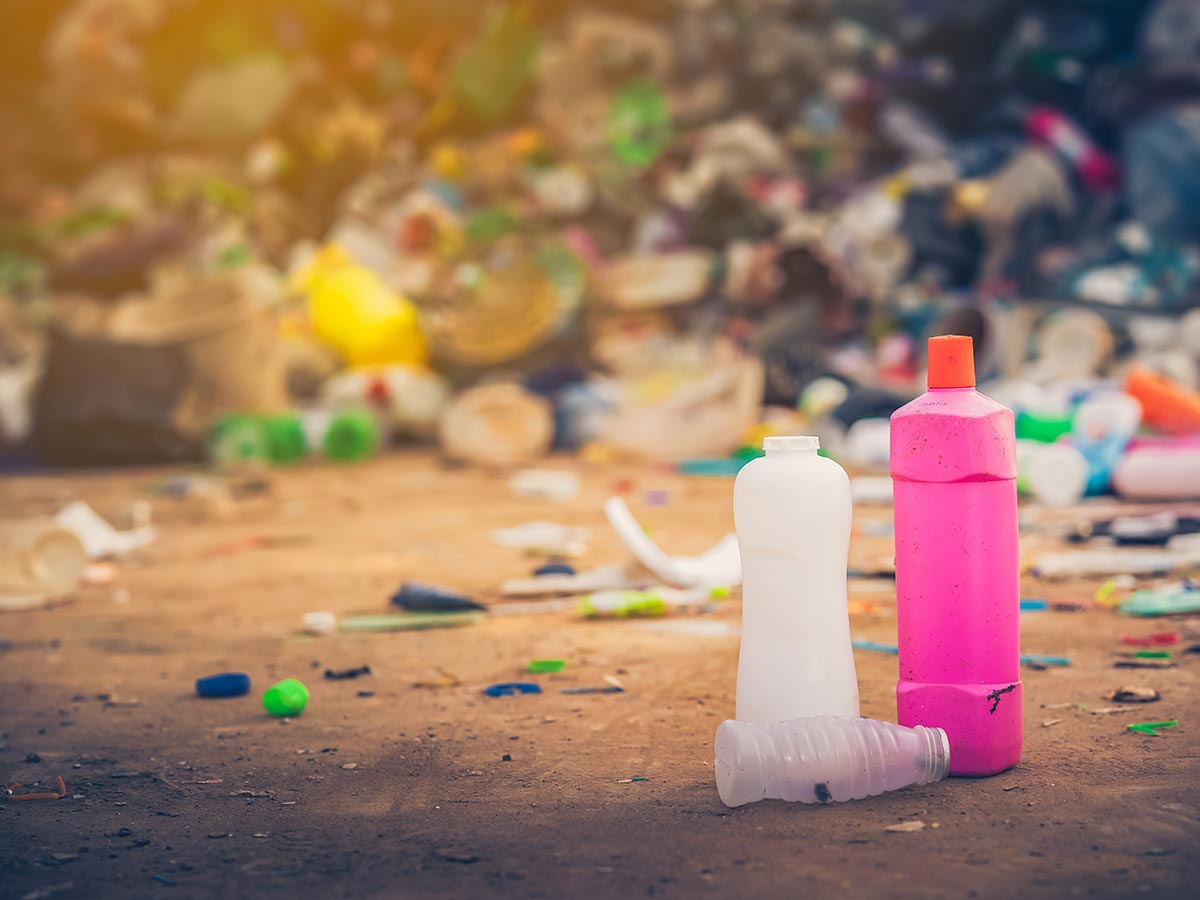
x,y
824,759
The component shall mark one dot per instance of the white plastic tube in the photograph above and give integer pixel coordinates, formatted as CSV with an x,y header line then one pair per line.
x,y
792,512
825,759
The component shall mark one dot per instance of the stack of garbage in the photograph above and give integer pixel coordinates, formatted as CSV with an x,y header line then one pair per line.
x,y
658,230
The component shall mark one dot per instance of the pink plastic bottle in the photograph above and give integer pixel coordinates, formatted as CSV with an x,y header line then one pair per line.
x,y
954,466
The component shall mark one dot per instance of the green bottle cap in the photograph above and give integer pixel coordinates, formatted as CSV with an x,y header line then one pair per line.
x,y
238,438
285,438
286,698
351,436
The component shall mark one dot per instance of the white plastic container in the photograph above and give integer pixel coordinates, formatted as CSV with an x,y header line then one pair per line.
x,y
825,759
1055,474
1159,473
791,508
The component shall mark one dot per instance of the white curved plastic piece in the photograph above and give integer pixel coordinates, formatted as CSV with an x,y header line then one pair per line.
x,y
824,759
719,566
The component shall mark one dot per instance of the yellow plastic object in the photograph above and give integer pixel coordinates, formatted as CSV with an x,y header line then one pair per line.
x,y
358,315
447,161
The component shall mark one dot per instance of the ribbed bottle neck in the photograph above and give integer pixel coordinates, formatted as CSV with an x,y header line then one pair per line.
x,y
936,756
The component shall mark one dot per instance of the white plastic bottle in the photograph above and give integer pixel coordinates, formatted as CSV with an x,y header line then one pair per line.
x,y
824,759
791,509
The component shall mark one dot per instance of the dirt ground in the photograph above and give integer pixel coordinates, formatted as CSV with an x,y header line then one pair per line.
x,y
441,791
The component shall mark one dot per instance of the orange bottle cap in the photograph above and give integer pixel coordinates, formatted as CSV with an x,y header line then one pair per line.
x,y
951,361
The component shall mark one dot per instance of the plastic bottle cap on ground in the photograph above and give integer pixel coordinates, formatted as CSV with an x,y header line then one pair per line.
x,y
286,698
951,361
227,684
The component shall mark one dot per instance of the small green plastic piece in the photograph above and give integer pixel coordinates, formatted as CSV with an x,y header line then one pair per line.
x,y
352,436
634,605
545,666
286,698
1152,727
1153,654
1044,429
639,124
239,438
286,442
409,621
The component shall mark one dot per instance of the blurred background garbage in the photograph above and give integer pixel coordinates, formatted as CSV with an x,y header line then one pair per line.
x,y
251,233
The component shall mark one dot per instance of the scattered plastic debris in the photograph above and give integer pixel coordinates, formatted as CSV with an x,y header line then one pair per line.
x,y
909,827
228,684
596,689
99,538
721,565
1152,728
1156,639
876,646
1133,694
512,688
1162,603
443,679
347,674
1032,605
559,485
319,623
648,603
1037,660
409,621
419,597
554,568
632,780
13,797
1135,663
602,578
1085,563
545,666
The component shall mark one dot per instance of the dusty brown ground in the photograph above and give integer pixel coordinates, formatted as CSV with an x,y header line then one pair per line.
x,y
443,792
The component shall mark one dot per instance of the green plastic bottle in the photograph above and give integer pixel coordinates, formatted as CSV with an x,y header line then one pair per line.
x,y
639,124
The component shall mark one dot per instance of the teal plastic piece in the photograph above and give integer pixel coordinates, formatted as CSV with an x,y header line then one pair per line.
x,y
1161,603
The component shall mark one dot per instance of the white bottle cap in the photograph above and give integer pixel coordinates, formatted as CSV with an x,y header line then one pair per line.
x,y
791,443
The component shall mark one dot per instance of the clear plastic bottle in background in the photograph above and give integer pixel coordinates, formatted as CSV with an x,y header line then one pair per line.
x,y
824,759
957,569
791,509
1055,474
1103,426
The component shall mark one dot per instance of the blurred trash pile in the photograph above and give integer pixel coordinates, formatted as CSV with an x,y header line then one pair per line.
x,y
266,230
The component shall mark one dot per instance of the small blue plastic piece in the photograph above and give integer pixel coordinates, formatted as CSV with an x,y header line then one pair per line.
x,y
1032,605
555,568
511,688
1036,659
227,684
875,645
